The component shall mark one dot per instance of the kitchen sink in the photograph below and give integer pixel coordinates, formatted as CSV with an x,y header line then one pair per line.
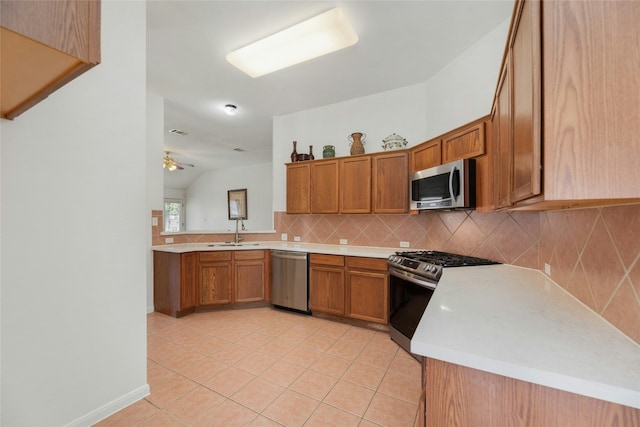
x,y
233,244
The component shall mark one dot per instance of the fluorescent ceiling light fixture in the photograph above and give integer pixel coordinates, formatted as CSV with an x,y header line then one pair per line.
x,y
320,35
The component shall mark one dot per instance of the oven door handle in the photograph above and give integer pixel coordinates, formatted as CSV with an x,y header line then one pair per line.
x,y
410,277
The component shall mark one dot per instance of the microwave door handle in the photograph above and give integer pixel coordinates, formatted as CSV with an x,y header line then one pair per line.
x,y
451,193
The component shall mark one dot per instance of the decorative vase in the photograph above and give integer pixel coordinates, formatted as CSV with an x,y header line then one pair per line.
x,y
311,152
328,151
294,153
357,140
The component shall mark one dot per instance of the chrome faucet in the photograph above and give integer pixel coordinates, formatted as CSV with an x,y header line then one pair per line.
x,y
238,238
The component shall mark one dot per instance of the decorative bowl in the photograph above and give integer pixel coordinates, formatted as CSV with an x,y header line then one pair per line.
x,y
393,142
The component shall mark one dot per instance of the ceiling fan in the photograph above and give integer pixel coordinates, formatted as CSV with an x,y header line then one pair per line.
x,y
171,165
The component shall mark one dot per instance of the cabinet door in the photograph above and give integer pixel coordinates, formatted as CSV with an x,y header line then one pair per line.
x,y
468,142
215,283
526,103
250,279
390,183
368,296
326,289
324,187
355,184
501,126
426,155
298,188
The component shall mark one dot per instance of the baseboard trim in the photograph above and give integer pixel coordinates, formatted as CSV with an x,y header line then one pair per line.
x,y
111,408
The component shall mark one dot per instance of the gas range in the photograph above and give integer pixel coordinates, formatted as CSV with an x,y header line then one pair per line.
x,y
429,264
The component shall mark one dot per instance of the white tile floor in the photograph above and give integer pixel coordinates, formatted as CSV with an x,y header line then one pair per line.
x,y
268,367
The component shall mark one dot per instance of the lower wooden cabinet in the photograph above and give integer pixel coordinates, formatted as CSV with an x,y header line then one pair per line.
x,y
478,398
214,278
174,282
250,276
354,287
368,289
326,283
185,282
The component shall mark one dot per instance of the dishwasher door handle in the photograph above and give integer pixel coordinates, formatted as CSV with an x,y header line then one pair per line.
x,y
289,255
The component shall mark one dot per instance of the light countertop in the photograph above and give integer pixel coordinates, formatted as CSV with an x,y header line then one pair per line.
x,y
349,250
518,323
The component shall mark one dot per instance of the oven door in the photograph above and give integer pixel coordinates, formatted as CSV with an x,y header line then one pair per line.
x,y
409,295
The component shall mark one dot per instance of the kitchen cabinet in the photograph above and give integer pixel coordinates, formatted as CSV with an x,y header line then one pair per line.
x,y
250,276
174,283
570,96
425,155
299,188
463,144
215,276
368,289
355,184
187,282
324,186
38,54
390,180
478,398
327,284
501,126
354,287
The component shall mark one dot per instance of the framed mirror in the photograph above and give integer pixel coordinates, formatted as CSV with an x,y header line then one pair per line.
x,y
237,203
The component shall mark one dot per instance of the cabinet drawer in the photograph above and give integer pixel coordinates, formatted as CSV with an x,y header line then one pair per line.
x,y
240,255
379,264
324,259
215,256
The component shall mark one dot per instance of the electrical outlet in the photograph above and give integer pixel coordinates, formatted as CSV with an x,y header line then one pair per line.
x,y
296,238
154,221
343,241
168,240
404,244
547,269
284,236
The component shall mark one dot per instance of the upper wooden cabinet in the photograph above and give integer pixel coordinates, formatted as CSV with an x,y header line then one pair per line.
x,y
468,142
324,186
572,107
44,45
299,188
425,155
355,184
390,172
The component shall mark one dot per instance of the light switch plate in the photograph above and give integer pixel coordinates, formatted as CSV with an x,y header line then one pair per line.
x,y
343,241
168,240
547,269
154,221
284,236
404,244
296,238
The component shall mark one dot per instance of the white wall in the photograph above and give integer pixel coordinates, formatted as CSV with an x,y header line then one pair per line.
x,y
461,92
206,198
155,178
74,226
401,111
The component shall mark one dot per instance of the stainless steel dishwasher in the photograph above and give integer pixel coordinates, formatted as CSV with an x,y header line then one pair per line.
x,y
290,280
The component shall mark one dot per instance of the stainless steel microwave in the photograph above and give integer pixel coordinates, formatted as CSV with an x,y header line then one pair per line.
x,y
448,186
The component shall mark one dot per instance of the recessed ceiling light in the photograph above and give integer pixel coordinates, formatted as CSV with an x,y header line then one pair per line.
x,y
320,35
230,109
240,150
178,132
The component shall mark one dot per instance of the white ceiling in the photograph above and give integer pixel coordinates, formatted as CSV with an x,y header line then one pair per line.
x,y
400,43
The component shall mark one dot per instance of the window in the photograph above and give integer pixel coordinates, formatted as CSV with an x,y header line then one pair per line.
x,y
173,215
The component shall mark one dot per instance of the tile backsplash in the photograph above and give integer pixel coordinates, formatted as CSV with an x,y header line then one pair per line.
x,y
593,253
